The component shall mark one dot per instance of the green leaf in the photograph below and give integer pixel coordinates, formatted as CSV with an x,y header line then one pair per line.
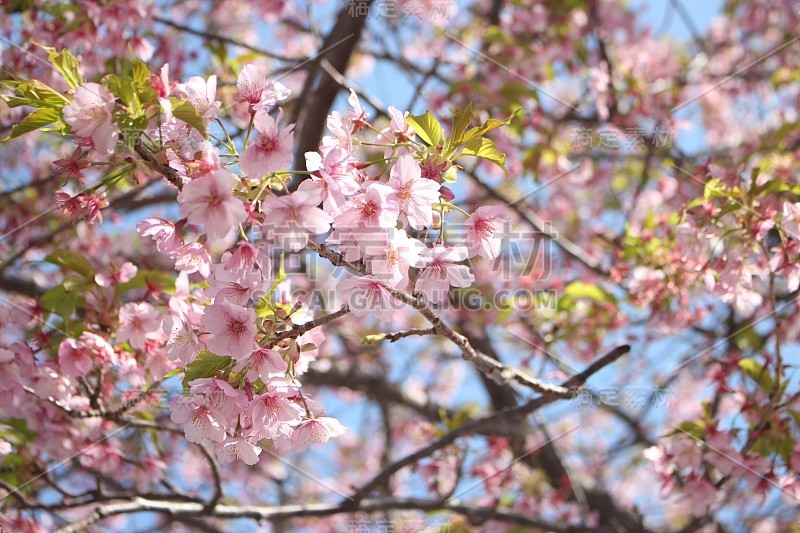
x,y
185,111
172,373
19,427
590,291
489,125
148,279
579,290
39,118
692,427
71,261
141,74
123,88
32,93
205,365
748,340
714,189
373,338
427,127
461,121
60,301
66,64
758,373
485,149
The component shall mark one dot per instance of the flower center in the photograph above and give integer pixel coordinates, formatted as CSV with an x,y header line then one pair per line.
x,y
237,328
267,144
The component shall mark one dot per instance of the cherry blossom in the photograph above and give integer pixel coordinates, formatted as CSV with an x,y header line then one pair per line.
x,y
484,232
202,94
414,195
273,413
366,295
271,150
315,431
372,208
791,219
138,321
209,200
441,272
398,132
193,257
232,328
90,114
182,342
290,218
168,240
199,419
257,91
234,448
393,255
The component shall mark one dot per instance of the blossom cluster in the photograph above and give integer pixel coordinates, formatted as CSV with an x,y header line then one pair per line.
x,y
378,214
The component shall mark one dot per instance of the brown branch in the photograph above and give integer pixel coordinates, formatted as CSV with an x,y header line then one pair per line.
x,y
300,329
320,88
491,367
394,337
223,39
475,514
487,423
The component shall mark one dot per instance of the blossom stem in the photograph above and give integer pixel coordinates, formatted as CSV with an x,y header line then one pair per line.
x,y
249,128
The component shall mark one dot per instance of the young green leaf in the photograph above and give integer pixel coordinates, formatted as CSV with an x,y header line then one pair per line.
x,y
427,127
66,64
39,118
71,261
185,111
205,365
485,149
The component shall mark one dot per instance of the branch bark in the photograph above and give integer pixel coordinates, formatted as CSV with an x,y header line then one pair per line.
x,y
320,88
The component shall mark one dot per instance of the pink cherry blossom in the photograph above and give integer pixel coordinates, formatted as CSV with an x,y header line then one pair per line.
x,y
391,259
182,343
9,369
271,150
264,364
399,131
698,496
232,286
246,258
351,241
74,358
193,257
117,274
257,91
290,218
232,327
222,396
357,115
209,200
273,413
373,208
441,272
91,114
791,219
201,94
138,321
233,448
414,194
483,233
315,431
168,240
368,294
336,165
200,420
